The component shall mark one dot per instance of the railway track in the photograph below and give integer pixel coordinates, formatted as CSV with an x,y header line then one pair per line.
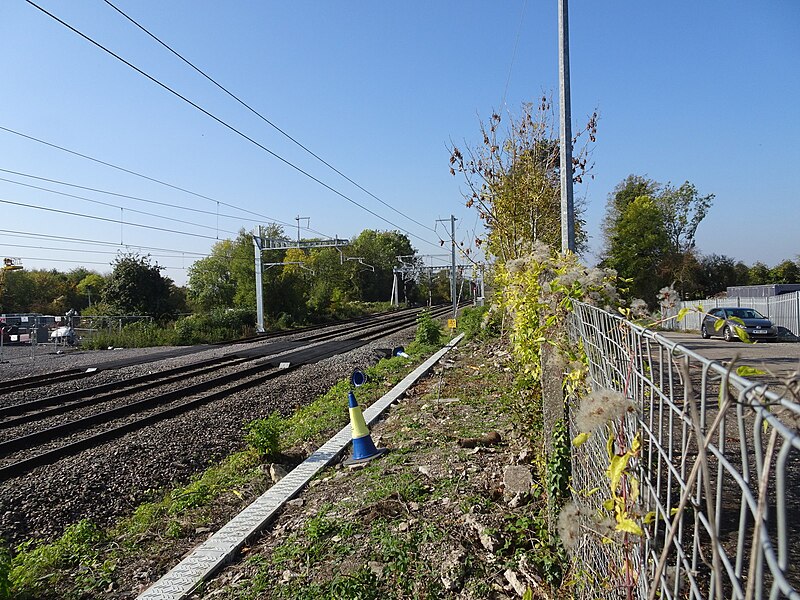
x,y
77,420
56,377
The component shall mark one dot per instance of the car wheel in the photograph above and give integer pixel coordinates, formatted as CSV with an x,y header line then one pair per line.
x,y
704,333
728,333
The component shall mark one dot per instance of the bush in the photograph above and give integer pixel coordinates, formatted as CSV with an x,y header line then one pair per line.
x,y
471,322
265,435
215,326
429,330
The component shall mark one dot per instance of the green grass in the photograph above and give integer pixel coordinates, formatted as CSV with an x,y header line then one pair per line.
x,y
82,561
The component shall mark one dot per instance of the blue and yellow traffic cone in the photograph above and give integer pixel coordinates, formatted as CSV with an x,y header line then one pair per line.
x,y
364,449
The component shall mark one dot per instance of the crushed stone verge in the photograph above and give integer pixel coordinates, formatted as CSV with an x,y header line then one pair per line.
x,y
455,509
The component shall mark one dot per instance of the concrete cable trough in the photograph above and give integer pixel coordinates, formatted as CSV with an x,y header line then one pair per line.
x,y
221,547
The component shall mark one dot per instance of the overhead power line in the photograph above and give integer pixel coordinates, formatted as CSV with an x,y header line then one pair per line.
x,y
82,262
152,179
117,206
74,240
107,220
222,122
262,117
140,199
79,250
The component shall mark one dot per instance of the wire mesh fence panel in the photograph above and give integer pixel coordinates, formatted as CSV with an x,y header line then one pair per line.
x,y
717,472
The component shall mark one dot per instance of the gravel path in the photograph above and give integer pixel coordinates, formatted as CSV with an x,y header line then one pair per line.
x,y
108,481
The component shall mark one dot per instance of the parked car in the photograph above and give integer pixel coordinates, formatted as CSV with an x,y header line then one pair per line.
x,y
757,326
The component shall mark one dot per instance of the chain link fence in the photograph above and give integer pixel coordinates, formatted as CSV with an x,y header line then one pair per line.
x,y
24,337
718,472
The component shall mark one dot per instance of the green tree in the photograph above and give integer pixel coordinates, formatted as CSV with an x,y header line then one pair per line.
x,y
379,249
91,285
136,287
759,274
786,272
513,180
666,225
717,273
17,292
625,192
210,283
639,243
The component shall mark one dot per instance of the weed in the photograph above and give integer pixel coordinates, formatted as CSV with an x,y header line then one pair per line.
x,y
559,466
174,530
473,323
5,571
35,570
265,435
429,330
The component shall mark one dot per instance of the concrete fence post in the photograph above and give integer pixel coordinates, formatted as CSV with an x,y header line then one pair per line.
x,y
553,409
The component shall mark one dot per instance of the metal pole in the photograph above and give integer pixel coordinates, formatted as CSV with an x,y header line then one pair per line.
x,y
453,263
567,204
259,287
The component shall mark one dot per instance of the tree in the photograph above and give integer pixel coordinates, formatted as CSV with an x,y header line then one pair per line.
x,y
673,216
758,274
379,249
639,243
91,285
210,283
786,272
513,181
136,287
625,192
717,274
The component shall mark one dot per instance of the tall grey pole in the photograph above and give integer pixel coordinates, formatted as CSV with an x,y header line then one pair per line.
x,y
259,287
452,260
453,263
567,204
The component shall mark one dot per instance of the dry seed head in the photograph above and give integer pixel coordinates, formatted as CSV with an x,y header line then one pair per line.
x,y
600,407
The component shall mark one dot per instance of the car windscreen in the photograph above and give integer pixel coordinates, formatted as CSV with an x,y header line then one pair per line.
x,y
745,313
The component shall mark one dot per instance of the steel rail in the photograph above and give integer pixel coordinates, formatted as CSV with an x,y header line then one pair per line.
x,y
296,359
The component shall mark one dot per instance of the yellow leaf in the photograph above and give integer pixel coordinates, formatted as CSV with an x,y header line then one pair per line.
x,y
745,371
580,439
629,525
617,468
592,491
683,312
634,495
610,444
649,517
528,595
609,504
636,444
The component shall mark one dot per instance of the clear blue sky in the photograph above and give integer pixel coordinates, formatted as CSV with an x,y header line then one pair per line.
x,y
700,91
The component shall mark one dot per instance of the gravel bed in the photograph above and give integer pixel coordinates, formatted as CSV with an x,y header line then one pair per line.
x,y
109,481
109,404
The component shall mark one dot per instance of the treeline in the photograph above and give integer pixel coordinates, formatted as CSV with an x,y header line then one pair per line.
x,y
649,234
312,285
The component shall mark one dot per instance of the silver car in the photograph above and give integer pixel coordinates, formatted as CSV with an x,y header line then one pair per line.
x,y
757,326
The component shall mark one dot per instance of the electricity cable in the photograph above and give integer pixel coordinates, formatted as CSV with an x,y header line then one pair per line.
x,y
79,250
108,204
152,179
116,221
140,199
262,117
514,54
74,240
222,122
